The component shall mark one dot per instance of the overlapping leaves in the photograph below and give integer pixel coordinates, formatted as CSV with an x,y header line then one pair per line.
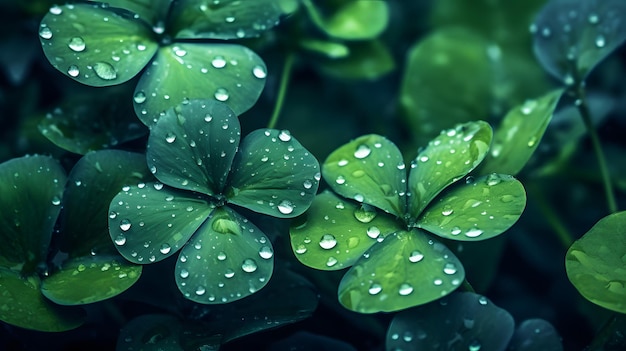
x,y
195,153
106,44
396,264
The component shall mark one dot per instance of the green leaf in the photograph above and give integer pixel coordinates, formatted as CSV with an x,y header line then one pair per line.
x,y
370,59
369,169
184,71
536,335
478,210
93,182
519,134
150,222
23,305
90,279
471,321
358,20
94,45
572,37
334,233
227,259
192,146
406,269
273,174
90,121
596,263
32,189
447,158
224,19
153,332
447,80
330,49
153,12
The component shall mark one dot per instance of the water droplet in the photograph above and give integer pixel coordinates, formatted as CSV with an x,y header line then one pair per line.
x,y
200,290
375,288
259,72
362,151
218,62
284,135
373,232
56,10
423,158
221,256
365,213
449,268
77,44
73,71
328,241
482,300
249,265
532,141
342,162
56,201
120,239
45,32
266,252
359,198
405,289
221,94
593,18
340,180
125,225
170,138
307,184
140,97
331,262
300,249
408,336
473,233
179,51
455,231
285,207
447,210
104,70
416,256
184,273
165,249
474,346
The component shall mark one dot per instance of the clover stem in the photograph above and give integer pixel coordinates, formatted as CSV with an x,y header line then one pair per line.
x,y
282,89
314,14
603,335
550,215
583,109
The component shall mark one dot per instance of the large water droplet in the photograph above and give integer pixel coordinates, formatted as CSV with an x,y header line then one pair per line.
x,y
140,97
184,273
365,213
200,290
266,252
449,268
375,288
328,241
259,72
362,151
405,289
170,138
285,207
221,94
125,225
45,32
104,70
373,232
120,239
73,71
218,62
416,256
77,44
165,249
249,265
473,233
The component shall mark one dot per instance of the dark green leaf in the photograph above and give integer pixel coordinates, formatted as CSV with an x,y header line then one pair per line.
x,y
535,335
461,321
369,169
334,233
224,19
32,190
273,174
519,134
364,60
446,159
23,305
193,145
151,11
572,36
152,332
94,45
150,222
93,182
477,210
596,263
184,71
406,269
355,20
227,259
90,279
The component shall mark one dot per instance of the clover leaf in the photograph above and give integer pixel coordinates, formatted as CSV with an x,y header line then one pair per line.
x,y
107,44
396,263
194,151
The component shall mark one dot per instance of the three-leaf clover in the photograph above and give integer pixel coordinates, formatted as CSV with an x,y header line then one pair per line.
x,y
102,44
194,151
395,262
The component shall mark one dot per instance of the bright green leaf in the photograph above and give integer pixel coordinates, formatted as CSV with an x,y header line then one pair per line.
x,y
369,169
153,332
23,305
406,269
94,45
330,49
32,190
273,174
149,222
358,20
478,210
224,19
596,263
227,259
466,320
536,335
519,134
334,233
229,73
93,182
446,159
572,36
90,279
193,145
151,11
370,59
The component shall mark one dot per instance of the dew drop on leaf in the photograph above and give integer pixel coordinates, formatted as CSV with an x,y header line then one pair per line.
x,y
140,97
328,241
416,256
221,94
405,289
249,265
45,32
473,233
125,225
77,44
184,273
104,70
375,289
373,232
218,62
362,151
73,71
259,72
120,239
266,252
285,207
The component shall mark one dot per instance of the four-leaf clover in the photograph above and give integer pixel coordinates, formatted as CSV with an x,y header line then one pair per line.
x,y
195,153
102,44
395,262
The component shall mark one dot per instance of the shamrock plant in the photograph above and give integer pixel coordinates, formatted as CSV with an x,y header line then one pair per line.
x,y
103,44
396,261
202,169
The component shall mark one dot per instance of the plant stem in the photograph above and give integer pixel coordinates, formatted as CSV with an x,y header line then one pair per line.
x,y
565,237
314,14
583,109
603,335
282,89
